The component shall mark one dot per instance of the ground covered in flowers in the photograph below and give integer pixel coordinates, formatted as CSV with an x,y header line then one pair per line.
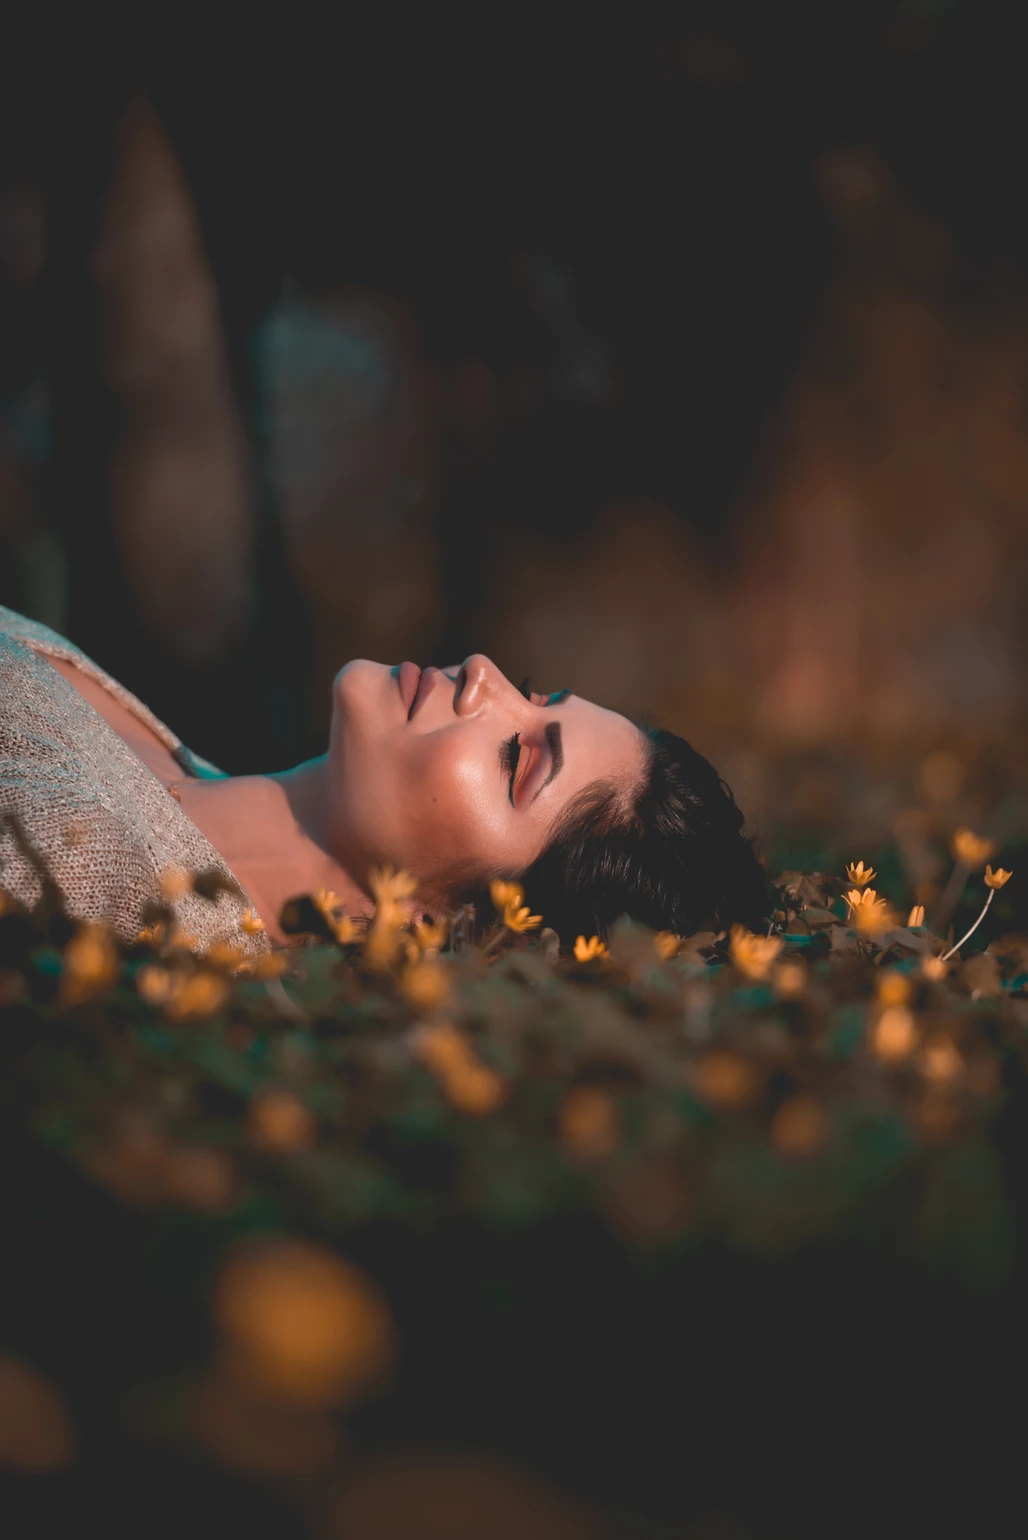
x,y
439,1220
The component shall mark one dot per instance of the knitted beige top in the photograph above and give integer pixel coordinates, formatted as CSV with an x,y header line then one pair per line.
x,y
102,821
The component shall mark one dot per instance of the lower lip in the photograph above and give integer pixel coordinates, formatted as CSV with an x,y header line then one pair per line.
x,y
408,678
424,689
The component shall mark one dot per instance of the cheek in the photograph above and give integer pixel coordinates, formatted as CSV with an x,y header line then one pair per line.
x,y
457,806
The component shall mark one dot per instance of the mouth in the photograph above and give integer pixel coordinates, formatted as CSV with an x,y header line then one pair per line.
x,y
408,678
424,689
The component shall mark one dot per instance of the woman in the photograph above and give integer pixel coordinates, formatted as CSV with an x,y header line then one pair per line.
x,y
453,774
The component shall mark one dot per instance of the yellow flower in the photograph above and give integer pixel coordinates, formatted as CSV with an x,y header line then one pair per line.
x,y
329,905
860,874
382,941
343,929
197,995
431,935
519,920
666,944
892,987
389,886
790,979
971,849
91,964
589,1123
346,931
916,916
154,983
506,895
872,919
425,984
225,954
941,1060
584,950
997,878
300,1322
894,1033
725,1079
471,1085
753,954
280,1121
934,967
184,996
382,944
869,913
474,1088
441,1047
151,935
174,882
252,923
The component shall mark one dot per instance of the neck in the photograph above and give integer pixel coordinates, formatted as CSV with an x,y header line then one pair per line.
x,y
272,833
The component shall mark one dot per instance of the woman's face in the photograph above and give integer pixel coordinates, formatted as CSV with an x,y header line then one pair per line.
x,y
434,793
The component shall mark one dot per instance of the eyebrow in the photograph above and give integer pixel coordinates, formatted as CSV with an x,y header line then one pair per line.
x,y
553,738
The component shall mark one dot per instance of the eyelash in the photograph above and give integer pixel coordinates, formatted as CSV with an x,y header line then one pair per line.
x,y
510,755
510,751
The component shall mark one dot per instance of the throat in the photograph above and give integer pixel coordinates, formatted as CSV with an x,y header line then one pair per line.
x,y
269,830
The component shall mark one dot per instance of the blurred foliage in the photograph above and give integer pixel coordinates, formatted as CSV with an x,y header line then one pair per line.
x,y
267,1224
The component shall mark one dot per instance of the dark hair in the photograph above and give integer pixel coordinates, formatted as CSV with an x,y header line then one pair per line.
x,y
671,855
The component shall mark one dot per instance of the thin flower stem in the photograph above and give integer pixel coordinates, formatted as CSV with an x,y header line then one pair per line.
x,y
494,940
974,927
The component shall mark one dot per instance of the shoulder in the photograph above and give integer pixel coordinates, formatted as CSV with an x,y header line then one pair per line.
x,y
22,639
56,828
68,805
77,802
32,632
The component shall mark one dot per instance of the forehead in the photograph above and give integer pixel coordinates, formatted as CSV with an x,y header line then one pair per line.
x,y
599,730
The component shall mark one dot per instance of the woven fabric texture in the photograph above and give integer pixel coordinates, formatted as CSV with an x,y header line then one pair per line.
x,y
98,817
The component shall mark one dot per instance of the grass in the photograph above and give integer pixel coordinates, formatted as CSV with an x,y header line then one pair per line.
x,y
267,1225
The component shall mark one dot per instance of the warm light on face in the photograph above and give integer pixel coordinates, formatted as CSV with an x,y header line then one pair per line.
x,y
478,774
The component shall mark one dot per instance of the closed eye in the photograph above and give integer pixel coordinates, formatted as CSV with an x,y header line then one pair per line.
x,y
510,749
510,755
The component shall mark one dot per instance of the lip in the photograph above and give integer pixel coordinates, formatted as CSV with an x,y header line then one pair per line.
x,y
408,678
424,690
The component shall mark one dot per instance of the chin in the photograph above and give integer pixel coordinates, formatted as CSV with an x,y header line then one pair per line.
x,y
362,684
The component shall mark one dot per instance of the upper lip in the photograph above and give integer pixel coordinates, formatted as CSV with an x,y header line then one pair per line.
x,y
428,678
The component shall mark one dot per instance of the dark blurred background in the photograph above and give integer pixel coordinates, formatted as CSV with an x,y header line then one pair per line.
x,y
677,355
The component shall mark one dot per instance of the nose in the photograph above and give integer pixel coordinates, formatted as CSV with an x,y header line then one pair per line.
x,y
482,680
